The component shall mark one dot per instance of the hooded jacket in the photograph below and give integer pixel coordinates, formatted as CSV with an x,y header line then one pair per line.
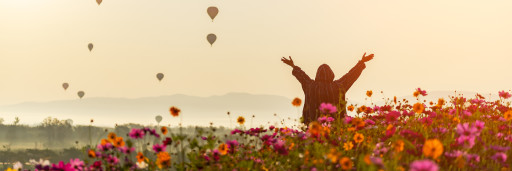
x,y
324,89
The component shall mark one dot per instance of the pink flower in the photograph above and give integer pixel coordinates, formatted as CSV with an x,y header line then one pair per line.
x,y
76,164
423,165
136,134
422,92
327,108
504,94
158,148
500,157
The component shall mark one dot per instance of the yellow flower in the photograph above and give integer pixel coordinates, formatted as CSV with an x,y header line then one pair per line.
x,y
9,169
223,149
418,108
433,148
346,163
358,138
508,115
240,120
369,93
348,145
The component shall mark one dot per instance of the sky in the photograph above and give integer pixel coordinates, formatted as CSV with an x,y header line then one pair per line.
x,y
435,44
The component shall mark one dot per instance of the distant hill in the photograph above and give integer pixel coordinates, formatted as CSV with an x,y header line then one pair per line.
x,y
195,110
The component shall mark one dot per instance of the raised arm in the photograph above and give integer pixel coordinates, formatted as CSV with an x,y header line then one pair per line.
x,y
297,72
348,79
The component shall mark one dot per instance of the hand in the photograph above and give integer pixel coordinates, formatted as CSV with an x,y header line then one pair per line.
x,y
288,61
367,58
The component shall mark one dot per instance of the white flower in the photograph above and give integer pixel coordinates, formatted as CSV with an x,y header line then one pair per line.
x,y
40,162
142,165
17,166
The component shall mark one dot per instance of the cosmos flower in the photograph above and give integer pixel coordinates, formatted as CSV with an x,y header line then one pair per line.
x,y
504,95
346,163
175,112
136,134
296,102
240,120
418,108
327,108
159,148
223,149
433,148
348,145
350,108
164,130
369,93
424,165
358,138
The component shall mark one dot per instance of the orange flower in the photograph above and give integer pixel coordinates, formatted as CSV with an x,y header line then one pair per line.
x,y
105,141
112,136
508,115
398,146
164,130
418,108
314,128
296,102
175,111
358,138
333,155
140,157
118,142
350,108
416,94
163,159
240,120
369,93
223,149
367,159
440,102
433,148
394,99
92,154
348,145
346,163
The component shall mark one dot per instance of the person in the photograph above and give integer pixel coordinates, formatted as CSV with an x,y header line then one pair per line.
x,y
324,89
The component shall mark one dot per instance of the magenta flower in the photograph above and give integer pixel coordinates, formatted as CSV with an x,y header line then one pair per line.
x,y
327,108
76,164
423,165
422,92
280,147
112,160
62,166
504,94
159,148
500,157
466,131
136,134
479,125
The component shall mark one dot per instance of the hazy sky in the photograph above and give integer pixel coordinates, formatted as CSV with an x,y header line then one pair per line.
x,y
432,44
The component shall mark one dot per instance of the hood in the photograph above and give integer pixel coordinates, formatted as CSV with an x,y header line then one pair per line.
x,y
324,73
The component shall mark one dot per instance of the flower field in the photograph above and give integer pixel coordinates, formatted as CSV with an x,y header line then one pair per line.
x,y
457,133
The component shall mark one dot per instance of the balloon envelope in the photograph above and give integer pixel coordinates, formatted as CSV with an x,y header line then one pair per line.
x,y
212,12
98,1
160,76
65,86
81,94
158,118
90,46
211,38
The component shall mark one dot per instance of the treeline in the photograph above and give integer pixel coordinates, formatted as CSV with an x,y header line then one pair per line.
x,y
58,134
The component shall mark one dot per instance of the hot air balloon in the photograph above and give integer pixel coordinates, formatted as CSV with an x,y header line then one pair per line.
x,y
90,46
158,119
81,94
98,1
65,86
160,76
211,38
212,12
